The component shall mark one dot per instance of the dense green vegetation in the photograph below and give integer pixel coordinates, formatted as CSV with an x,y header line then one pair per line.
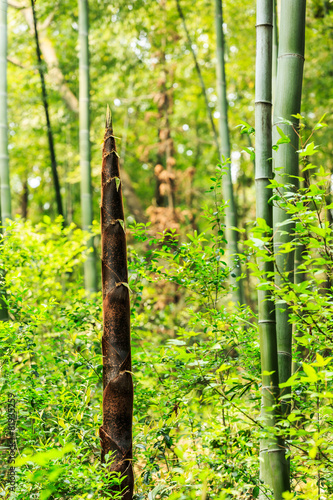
x,y
200,414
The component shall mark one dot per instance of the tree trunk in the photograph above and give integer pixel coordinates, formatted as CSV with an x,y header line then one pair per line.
x,y
4,159
47,116
116,432
90,275
273,467
287,103
228,192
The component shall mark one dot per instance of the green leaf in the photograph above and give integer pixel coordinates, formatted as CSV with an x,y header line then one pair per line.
x,y
309,166
321,361
255,492
262,224
44,457
293,380
179,452
284,139
320,125
309,150
310,372
297,116
251,152
152,494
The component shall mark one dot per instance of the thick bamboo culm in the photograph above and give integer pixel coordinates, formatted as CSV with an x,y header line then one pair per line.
x,y
116,431
273,466
287,103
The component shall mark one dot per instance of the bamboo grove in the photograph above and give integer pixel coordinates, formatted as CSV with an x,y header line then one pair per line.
x,y
193,359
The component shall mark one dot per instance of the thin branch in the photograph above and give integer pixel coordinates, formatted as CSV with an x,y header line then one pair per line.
x,y
47,116
202,83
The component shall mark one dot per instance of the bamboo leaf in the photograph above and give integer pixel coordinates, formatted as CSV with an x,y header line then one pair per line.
x,y
310,372
44,457
284,139
309,150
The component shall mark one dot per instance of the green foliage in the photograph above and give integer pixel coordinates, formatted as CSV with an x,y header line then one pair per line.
x,y
195,359
309,298
50,361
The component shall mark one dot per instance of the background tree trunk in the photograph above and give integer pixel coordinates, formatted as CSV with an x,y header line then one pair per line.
x,y
90,275
228,191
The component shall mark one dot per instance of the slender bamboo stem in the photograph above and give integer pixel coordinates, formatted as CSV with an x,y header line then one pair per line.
x,y
273,465
90,274
227,187
287,104
47,116
3,304
116,431
5,205
275,48
4,159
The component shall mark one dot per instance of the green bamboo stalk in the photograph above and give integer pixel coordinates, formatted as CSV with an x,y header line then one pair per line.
x,y
5,205
3,304
273,465
4,159
228,192
275,48
287,103
116,431
90,272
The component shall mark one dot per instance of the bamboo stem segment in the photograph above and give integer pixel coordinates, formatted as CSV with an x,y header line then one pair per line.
x,y
273,466
5,205
90,275
116,431
287,103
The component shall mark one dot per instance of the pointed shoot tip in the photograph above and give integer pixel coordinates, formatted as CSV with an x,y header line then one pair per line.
x,y
108,121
